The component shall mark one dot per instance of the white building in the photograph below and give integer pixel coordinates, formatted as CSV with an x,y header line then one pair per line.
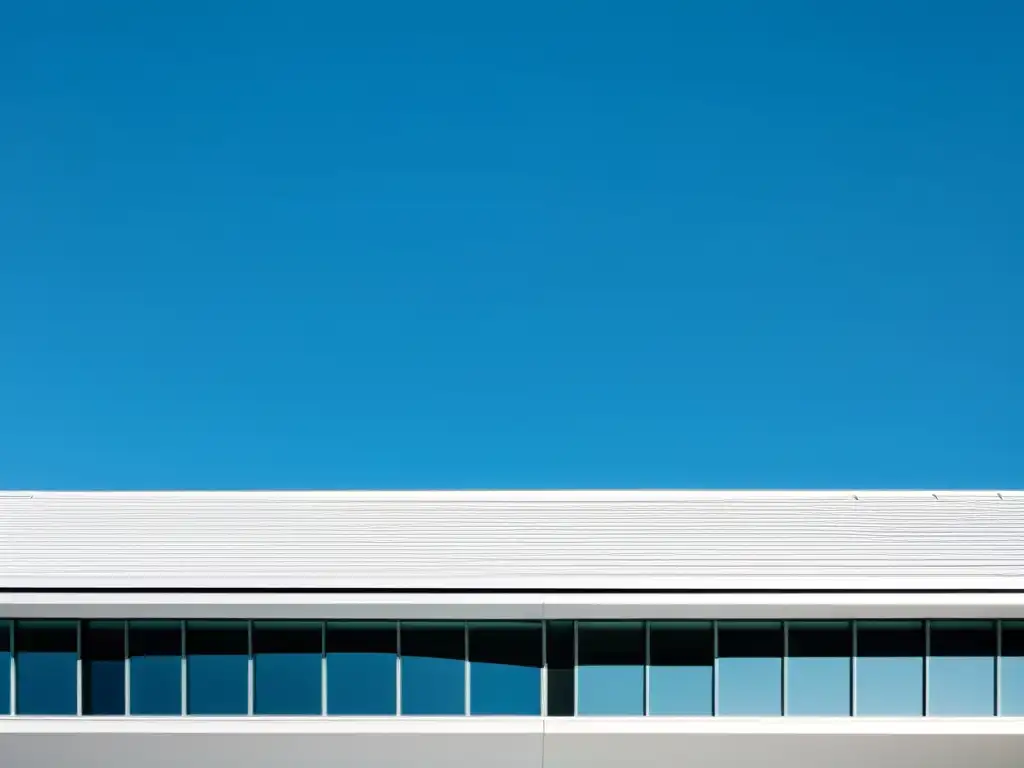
x,y
512,629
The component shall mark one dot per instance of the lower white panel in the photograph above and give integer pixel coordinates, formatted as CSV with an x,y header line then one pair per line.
x,y
527,743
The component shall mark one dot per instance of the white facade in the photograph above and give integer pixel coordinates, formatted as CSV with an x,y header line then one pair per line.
x,y
537,555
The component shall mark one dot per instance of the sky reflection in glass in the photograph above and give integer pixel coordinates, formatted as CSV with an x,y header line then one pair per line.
x,y
750,668
681,668
818,670
611,668
433,668
890,668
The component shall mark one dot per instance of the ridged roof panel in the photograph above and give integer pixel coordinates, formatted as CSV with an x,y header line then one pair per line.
x,y
533,540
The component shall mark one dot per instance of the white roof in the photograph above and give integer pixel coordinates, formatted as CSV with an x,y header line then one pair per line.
x,y
513,540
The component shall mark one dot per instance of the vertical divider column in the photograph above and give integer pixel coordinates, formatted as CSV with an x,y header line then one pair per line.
x,y
999,668
467,681
184,671
575,668
927,663
785,668
398,667
853,669
127,673
714,669
323,669
78,664
543,667
647,668
251,671
14,669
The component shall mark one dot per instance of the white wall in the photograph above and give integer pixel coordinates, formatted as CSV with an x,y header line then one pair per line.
x,y
533,743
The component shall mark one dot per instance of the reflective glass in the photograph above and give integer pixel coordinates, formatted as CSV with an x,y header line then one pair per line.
x,y
1011,670
217,660
750,667
611,667
890,668
433,668
505,660
362,676
287,660
154,653
103,657
681,668
5,668
46,665
561,668
962,668
819,668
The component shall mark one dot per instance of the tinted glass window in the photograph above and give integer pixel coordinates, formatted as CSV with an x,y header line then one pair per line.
x,y
1011,670
154,652
217,657
750,668
5,668
890,668
433,668
561,668
362,668
103,654
611,668
819,668
681,668
47,667
287,661
505,662
961,668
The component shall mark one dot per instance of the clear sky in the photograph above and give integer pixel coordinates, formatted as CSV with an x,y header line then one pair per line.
x,y
534,244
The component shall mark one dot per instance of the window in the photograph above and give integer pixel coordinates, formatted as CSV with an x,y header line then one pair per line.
x,y
681,668
154,667
46,665
890,668
1011,670
5,667
962,668
561,668
818,671
217,657
103,655
505,662
362,660
750,668
433,668
287,660
611,667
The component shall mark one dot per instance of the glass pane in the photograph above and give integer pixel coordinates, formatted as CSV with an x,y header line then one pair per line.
x,y
561,669
750,668
154,652
433,668
962,668
505,662
217,658
5,668
362,660
47,667
890,668
611,667
103,667
819,668
287,658
1011,670
682,668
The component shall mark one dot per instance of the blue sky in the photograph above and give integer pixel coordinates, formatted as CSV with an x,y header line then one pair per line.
x,y
547,244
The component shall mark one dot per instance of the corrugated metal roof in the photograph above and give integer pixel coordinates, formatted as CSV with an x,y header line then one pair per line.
x,y
535,540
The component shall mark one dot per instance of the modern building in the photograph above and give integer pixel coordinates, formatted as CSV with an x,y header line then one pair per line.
x,y
542,629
